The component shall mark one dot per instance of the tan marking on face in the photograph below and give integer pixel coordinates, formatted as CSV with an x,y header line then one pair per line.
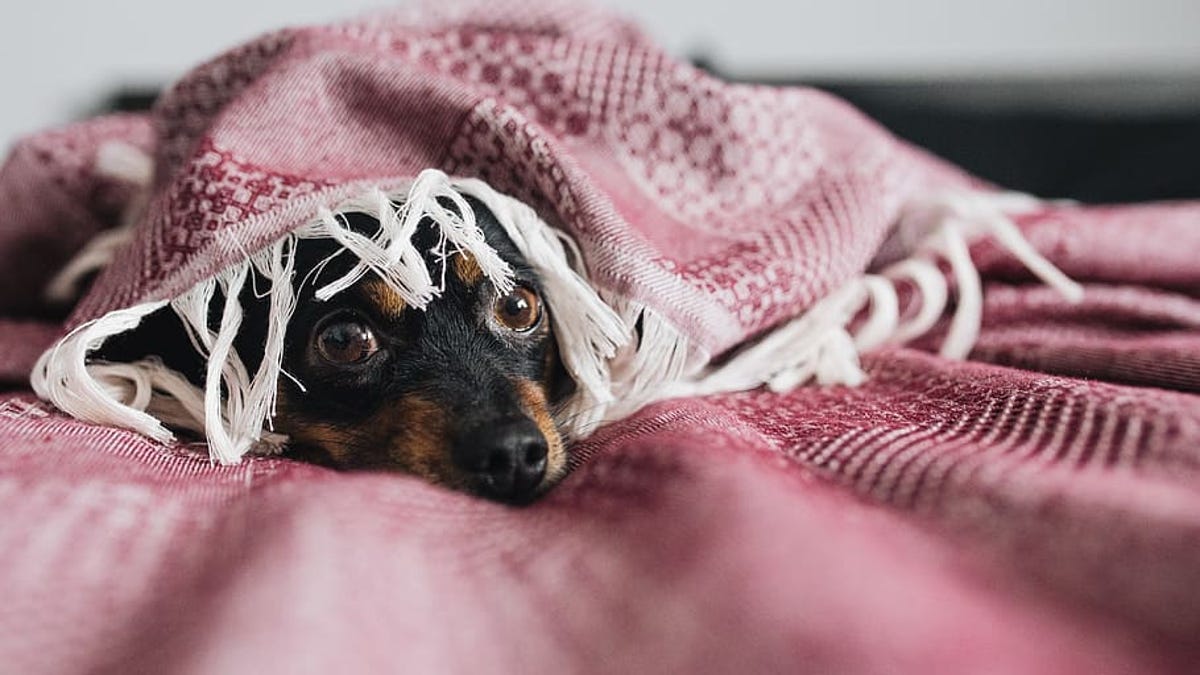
x,y
419,439
383,298
533,400
467,269
410,434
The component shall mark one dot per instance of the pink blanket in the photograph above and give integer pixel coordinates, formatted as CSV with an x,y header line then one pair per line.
x,y
1034,510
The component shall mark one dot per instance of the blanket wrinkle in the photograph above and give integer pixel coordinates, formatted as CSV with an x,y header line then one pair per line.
x,y
1032,509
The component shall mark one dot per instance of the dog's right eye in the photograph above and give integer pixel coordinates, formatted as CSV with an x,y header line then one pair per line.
x,y
346,341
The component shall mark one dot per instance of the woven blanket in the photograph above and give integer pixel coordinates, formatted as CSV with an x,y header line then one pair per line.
x,y
781,460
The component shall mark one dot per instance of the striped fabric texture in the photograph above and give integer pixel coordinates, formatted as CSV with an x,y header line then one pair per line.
x,y
1034,509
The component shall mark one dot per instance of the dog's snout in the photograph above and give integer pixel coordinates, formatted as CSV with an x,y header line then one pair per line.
x,y
507,459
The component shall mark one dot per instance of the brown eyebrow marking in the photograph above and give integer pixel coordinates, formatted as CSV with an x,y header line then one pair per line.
x,y
466,268
383,298
533,400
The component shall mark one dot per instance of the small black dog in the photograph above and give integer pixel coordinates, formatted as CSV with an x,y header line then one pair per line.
x,y
461,393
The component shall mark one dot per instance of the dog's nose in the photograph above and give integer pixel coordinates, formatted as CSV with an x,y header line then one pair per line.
x,y
508,459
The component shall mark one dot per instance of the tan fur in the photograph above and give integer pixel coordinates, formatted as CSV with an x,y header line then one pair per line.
x,y
409,434
466,268
383,297
533,401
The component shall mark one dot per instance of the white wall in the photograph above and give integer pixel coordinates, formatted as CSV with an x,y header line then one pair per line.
x,y
58,57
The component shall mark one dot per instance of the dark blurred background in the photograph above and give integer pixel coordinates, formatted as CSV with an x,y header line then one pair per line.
x,y
1094,139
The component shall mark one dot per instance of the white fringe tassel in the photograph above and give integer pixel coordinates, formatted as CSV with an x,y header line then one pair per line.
x,y
615,376
234,408
588,331
819,346
100,393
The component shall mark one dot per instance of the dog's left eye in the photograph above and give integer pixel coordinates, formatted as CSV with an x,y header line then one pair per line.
x,y
346,341
519,310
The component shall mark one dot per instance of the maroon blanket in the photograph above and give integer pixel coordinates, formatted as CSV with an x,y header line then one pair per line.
x,y
1034,510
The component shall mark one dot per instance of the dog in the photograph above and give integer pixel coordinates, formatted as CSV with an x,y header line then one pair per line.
x,y
462,393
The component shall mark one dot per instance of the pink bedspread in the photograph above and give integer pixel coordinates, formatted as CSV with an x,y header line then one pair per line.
x,y
944,517
1035,510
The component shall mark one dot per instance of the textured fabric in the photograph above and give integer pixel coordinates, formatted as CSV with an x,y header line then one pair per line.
x,y
54,201
964,518
1037,514
725,208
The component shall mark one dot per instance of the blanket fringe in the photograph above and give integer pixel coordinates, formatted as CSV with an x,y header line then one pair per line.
x,y
234,408
622,354
588,330
661,356
93,392
820,345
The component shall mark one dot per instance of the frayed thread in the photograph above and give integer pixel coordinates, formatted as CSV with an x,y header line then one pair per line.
x,y
616,371
589,331
234,408
64,376
819,346
390,253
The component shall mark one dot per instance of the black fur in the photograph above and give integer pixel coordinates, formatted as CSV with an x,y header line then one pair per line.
x,y
445,354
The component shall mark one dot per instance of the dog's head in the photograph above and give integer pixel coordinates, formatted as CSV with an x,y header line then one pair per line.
x,y
460,393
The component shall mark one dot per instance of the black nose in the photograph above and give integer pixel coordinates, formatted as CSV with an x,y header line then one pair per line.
x,y
507,459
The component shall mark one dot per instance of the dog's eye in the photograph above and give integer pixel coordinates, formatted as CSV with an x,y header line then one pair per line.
x,y
346,341
520,310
